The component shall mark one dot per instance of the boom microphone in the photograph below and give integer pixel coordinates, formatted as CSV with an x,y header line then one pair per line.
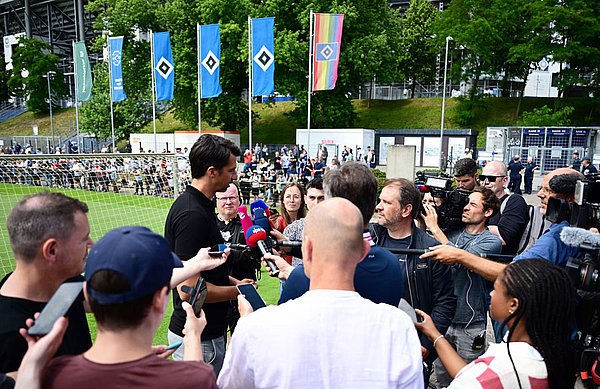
x,y
578,237
256,236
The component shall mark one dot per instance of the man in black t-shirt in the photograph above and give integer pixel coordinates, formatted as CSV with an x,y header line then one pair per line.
x,y
510,222
515,167
191,225
50,237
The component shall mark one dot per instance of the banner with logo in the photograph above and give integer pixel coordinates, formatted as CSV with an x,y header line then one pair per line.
x,y
164,71
115,48
263,59
210,60
82,72
326,50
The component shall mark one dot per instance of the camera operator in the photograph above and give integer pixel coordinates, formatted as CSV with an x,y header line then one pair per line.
x,y
465,174
509,224
467,331
558,183
240,265
429,287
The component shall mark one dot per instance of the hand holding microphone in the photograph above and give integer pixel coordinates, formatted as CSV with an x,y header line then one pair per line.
x,y
255,236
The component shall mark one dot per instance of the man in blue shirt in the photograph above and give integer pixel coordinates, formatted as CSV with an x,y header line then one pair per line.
x,y
529,169
558,183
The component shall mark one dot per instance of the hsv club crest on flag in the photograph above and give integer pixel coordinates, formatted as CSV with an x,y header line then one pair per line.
x,y
263,59
163,66
115,48
326,50
210,59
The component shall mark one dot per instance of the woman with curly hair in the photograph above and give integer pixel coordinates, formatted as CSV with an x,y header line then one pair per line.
x,y
535,300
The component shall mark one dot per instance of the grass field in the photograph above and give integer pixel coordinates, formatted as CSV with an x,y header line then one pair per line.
x,y
108,211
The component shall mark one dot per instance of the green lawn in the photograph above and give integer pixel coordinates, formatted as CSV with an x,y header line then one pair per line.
x,y
108,211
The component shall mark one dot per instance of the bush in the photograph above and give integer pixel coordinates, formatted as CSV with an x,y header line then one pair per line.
x,y
545,116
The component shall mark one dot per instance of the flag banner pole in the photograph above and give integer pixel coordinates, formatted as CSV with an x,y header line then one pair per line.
x,y
310,77
249,83
199,79
210,53
326,50
110,77
153,91
76,98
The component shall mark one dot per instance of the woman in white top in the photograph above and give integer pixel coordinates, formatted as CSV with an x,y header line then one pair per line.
x,y
536,301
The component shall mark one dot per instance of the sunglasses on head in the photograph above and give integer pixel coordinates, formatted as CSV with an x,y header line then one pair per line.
x,y
483,177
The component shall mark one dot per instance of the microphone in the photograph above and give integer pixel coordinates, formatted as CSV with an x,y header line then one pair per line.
x,y
246,220
259,204
256,236
238,247
579,237
423,188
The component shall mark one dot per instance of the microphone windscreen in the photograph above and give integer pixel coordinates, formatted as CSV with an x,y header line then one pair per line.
x,y
254,234
245,218
261,220
258,204
576,237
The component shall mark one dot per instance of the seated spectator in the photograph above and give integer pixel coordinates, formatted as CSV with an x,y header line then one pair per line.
x,y
333,337
535,299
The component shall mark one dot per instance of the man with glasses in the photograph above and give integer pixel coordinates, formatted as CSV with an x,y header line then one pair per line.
x,y
510,222
240,265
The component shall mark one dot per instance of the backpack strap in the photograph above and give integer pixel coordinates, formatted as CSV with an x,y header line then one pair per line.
x,y
503,205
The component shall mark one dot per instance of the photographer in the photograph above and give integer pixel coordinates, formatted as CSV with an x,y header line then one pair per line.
x,y
558,183
467,331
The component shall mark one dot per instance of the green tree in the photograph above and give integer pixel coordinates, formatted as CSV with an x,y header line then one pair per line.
x,y
31,59
129,115
545,116
4,77
419,51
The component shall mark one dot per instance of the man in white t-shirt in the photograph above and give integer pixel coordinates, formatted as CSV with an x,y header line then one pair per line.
x,y
331,336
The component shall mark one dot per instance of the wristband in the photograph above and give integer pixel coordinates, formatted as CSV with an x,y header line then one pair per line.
x,y
436,339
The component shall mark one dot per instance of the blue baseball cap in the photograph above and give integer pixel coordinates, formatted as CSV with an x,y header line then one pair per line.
x,y
143,257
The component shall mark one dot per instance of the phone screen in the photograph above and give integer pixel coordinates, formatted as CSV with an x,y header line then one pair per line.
x,y
252,296
58,306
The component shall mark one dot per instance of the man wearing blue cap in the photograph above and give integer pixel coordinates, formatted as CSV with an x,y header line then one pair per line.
x,y
129,274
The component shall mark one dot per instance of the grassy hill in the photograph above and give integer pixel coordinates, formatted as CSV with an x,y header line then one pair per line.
x,y
274,126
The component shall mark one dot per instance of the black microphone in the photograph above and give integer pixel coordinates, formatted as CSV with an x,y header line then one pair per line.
x,y
289,243
496,257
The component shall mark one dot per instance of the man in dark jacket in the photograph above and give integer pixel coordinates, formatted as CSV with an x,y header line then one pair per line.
x,y
430,286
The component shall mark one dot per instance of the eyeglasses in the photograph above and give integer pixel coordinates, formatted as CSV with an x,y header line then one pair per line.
x,y
225,199
489,178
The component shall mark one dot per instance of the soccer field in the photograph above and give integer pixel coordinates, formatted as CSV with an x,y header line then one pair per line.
x,y
107,211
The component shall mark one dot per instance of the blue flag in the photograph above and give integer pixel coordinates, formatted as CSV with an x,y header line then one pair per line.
x,y
263,59
164,73
210,59
115,47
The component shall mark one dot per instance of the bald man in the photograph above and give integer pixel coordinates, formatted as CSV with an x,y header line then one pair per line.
x,y
373,345
558,183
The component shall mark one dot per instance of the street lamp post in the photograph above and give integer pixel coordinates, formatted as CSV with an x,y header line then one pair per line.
x,y
448,39
47,76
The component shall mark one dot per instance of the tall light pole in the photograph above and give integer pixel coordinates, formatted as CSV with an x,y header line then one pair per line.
x,y
448,39
47,76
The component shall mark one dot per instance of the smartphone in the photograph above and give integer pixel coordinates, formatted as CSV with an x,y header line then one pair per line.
x,y
58,306
249,291
406,308
217,250
198,295
175,345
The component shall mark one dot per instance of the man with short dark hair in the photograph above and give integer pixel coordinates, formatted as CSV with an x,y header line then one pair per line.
x,y
50,236
587,167
515,167
465,173
378,276
468,328
575,162
191,225
429,284
128,279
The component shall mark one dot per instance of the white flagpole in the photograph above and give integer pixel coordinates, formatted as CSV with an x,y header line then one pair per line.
x,y
76,95
153,86
112,118
310,78
249,83
199,79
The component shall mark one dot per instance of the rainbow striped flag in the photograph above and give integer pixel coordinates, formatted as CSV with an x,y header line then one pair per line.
x,y
326,50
